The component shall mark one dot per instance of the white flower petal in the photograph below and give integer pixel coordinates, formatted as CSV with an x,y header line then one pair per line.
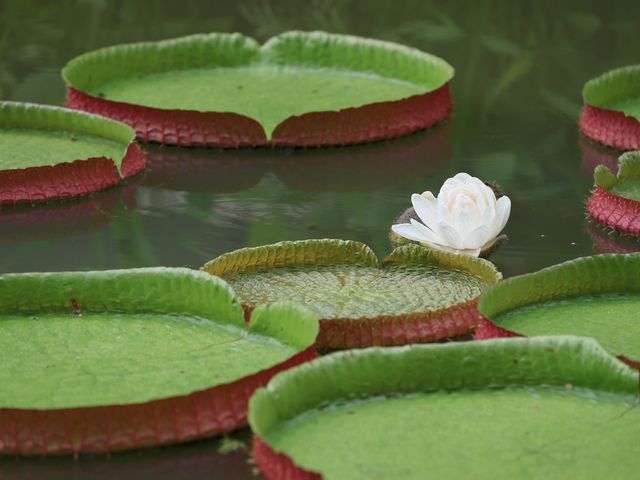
x,y
426,233
478,237
461,219
406,230
427,210
465,216
503,210
473,252
449,235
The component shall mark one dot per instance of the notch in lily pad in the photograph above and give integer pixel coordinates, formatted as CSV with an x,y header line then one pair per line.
x,y
414,295
615,201
299,89
597,296
124,359
611,114
557,406
51,153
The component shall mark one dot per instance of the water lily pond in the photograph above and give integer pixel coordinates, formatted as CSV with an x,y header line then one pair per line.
x,y
519,72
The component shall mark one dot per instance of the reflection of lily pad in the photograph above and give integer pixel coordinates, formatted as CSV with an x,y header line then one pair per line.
x,y
66,219
552,407
611,114
615,202
298,89
595,296
359,168
49,153
104,361
416,295
594,155
611,242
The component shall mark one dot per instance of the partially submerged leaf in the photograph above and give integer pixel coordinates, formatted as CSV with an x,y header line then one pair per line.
x,y
554,406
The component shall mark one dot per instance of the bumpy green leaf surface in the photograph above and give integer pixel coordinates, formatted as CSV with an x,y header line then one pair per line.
x,y
352,285
551,407
593,296
36,135
616,90
292,74
103,338
627,183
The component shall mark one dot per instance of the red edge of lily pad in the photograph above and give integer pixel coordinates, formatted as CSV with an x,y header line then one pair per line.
x,y
69,179
105,429
487,330
394,330
368,123
276,466
611,128
618,213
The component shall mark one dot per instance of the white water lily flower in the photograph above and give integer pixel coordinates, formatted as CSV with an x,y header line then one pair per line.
x,y
464,218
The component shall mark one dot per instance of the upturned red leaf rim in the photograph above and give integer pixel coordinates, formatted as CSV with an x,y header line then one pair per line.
x,y
593,275
72,177
362,331
186,415
554,363
351,125
603,119
608,204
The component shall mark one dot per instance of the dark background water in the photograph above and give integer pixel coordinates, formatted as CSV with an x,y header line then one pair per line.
x,y
520,67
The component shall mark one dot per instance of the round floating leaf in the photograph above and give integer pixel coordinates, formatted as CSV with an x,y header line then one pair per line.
x,y
595,296
550,407
611,114
415,295
103,361
299,88
615,202
49,153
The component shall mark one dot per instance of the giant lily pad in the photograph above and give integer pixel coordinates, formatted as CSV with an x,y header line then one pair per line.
x,y
415,295
615,202
50,153
103,361
298,89
552,407
595,296
611,114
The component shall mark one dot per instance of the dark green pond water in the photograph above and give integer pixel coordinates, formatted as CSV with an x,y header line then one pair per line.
x,y
519,72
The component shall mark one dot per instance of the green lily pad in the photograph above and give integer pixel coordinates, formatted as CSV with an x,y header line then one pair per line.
x,y
617,90
595,296
345,285
38,135
99,338
291,74
89,357
549,407
627,181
